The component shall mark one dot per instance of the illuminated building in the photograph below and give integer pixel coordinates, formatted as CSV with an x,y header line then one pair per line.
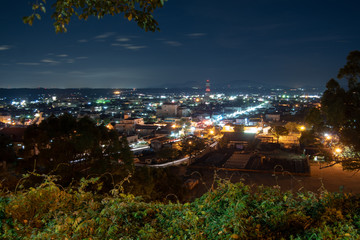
x,y
207,89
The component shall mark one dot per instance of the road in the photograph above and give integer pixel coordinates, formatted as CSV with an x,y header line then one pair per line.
x,y
173,163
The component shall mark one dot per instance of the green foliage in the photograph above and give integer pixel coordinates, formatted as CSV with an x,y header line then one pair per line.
x,y
229,211
139,11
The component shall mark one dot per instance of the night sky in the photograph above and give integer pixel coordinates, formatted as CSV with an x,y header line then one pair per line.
x,y
271,43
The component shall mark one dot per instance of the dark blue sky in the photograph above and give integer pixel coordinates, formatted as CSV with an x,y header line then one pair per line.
x,y
295,43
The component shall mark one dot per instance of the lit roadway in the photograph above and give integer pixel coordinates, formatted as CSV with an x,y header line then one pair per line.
x,y
173,163
248,110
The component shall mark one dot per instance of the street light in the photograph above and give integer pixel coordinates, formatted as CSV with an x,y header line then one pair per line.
x,y
302,128
338,150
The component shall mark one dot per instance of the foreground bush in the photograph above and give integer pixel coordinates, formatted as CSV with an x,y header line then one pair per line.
x,y
231,211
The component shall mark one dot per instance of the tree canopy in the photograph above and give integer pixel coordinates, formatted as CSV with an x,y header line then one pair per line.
x,y
278,131
65,139
191,145
340,114
342,107
63,11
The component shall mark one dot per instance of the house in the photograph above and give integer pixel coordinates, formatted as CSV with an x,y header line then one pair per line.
x,y
16,134
132,138
239,141
184,112
167,110
5,118
146,129
128,124
272,117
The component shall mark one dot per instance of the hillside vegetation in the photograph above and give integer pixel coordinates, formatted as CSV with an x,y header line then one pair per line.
x,y
229,211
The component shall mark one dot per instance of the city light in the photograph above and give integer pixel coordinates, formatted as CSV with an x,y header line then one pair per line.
x,y
228,128
338,150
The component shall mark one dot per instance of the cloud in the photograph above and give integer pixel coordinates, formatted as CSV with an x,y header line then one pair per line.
x,y
82,58
312,39
45,72
195,35
62,55
83,41
70,61
49,61
173,43
122,44
118,44
135,47
105,35
128,46
4,47
123,39
76,72
28,63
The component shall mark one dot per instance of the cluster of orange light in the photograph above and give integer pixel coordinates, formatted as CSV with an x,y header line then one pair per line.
x,y
338,150
228,128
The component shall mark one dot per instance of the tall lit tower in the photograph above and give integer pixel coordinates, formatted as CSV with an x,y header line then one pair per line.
x,y
207,90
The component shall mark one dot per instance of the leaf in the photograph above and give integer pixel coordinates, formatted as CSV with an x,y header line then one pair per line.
x,y
43,9
235,236
130,17
38,16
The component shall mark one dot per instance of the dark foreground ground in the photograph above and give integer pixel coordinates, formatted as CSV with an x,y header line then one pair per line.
x,y
332,179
